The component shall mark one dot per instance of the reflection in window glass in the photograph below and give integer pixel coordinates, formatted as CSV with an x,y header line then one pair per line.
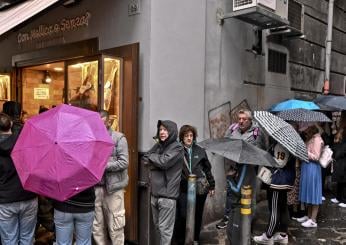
x,y
82,84
112,90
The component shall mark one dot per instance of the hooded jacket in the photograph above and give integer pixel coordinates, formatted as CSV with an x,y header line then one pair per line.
x,y
166,160
11,189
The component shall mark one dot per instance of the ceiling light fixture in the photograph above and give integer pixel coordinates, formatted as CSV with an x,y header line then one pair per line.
x,y
47,78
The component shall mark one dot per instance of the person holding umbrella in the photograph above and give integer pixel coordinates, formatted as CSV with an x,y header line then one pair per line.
x,y
18,207
196,162
310,189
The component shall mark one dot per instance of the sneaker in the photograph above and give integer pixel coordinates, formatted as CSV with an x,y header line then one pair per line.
x,y
223,223
323,198
302,219
263,239
343,205
280,238
309,224
334,200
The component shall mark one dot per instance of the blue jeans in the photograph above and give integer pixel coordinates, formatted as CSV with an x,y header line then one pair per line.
x,y
66,223
18,221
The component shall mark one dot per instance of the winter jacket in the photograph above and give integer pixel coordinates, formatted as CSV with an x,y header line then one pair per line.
x,y
166,162
253,135
11,189
83,202
339,173
115,177
200,167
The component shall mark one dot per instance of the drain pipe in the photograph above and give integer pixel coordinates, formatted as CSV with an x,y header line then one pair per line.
x,y
328,47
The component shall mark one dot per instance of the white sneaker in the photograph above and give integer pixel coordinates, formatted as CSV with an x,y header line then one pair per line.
x,y
323,198
334,200
278,238
309,224
302,219
263,239
343,205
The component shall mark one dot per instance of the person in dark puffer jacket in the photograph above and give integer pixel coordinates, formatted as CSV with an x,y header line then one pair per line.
x,y
14,200
165,160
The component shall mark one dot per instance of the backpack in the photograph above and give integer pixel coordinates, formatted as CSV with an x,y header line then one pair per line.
x,y
234,126
326,156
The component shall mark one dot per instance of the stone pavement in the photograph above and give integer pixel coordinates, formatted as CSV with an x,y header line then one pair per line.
x,y
331,227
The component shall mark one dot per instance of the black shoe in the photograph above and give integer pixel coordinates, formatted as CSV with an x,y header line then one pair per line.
x,y
223,223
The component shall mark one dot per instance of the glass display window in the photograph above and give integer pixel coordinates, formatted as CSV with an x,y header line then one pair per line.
x,y
5,87
112,89
82,84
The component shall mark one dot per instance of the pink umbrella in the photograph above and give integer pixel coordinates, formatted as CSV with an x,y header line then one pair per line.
x,y
62,152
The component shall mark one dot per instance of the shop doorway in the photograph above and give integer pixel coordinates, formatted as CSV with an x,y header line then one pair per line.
x,y
82,75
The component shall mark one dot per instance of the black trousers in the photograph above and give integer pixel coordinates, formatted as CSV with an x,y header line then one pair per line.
x,y
341,192
279,218
180,224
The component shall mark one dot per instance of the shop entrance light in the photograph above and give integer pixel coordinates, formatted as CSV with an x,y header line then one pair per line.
x,y
47,78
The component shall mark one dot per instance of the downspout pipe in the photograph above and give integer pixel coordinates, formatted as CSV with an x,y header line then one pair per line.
x,y
328,47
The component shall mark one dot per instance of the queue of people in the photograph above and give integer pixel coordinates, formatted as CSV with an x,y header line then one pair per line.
x,y
97,215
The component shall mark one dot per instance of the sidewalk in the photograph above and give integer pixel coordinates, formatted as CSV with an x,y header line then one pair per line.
x,y
331,227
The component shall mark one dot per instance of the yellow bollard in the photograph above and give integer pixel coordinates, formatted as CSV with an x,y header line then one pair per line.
x,y
245,200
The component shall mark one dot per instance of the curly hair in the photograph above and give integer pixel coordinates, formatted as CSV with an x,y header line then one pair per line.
x,y
185,129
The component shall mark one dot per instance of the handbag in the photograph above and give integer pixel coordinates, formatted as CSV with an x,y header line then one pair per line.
x,y
202,185
326,156
265,175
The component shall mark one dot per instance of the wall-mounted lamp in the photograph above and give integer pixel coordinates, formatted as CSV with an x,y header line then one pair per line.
x,y
47,78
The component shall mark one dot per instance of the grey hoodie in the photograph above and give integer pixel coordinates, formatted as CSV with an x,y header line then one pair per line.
x,y
166,160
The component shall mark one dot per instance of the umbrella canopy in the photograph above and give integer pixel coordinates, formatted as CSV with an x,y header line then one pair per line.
x,y
239,151
283,133
294,104
332,101
303,115
62,152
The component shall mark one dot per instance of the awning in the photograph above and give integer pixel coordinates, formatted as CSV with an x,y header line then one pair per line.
x,y
12,17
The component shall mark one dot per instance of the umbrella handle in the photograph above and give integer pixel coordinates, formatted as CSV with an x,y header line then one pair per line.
x,y
241,180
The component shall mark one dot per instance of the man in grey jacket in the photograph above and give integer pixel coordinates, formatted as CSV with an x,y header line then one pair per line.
x,y
166,161
109,222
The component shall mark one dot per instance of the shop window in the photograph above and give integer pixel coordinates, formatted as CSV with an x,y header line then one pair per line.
x,y
82,82
112,89
5,91
43,87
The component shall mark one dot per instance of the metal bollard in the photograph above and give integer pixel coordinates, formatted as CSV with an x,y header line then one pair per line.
x,y
245,213
190,210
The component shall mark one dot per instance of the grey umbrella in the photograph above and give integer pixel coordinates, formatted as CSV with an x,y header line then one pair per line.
x,y
303,115
239,151
283,133
332,101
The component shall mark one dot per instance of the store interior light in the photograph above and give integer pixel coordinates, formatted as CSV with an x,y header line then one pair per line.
x,y
58,69
47,78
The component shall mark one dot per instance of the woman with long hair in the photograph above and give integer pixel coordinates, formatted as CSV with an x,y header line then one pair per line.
x,y
310,189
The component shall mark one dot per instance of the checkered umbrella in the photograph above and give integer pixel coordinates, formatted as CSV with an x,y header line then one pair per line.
x,y
283,133
303,115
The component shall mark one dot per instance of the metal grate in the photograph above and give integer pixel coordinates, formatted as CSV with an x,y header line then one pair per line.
x,y
295,14
277,61
242,3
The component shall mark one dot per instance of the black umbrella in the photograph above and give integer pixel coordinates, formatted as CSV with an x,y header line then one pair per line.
x,y
283,133
332,101
303,115
239,151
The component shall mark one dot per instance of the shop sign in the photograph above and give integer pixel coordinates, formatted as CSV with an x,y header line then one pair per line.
x,y
41,93
48,31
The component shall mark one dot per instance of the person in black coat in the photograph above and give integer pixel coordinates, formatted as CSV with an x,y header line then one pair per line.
x,y
196,162
339,171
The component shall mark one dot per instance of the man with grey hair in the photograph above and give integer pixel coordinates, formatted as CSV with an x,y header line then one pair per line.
x,y
249,131
109,222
